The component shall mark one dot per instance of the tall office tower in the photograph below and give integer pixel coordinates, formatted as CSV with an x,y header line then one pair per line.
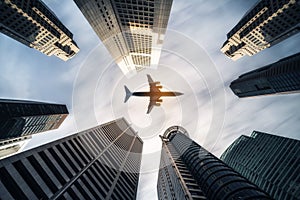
x,y
132,30
10,147
98,163
271,162
267,23
281,77
32,23
188,171
21,118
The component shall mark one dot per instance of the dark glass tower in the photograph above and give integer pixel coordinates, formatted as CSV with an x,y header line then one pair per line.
x,y
281,77
32,23
271,162
267,23
188,171
21,118
98,163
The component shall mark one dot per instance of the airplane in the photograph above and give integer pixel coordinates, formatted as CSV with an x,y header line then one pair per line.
x,y
155,94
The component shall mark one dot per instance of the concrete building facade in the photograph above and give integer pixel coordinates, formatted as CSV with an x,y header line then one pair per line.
x,y
10,147
267,23
33,24
132,30
98,163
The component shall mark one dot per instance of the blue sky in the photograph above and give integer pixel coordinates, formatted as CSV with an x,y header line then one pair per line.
x,y
91,85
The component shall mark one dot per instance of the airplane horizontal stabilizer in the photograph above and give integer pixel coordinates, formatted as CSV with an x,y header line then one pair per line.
x,y
128,94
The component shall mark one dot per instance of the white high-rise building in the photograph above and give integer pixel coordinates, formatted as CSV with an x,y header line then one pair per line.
x,y
32,23
10,147
132,30
267,23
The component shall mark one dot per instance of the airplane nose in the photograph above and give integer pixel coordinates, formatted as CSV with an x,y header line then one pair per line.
x,y
178,93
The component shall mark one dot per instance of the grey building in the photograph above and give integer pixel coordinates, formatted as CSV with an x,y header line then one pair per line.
x,y
188,171
22,118
281,77
271,162
267,23
132,30
98,163
33,24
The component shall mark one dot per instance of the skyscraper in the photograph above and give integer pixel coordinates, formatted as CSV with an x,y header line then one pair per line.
x,y
188,171
98,163
267,23
271,162
277,78
132,30
21,118
12,146
32,23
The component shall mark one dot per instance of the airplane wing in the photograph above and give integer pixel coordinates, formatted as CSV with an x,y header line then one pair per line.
x,y
152,84
150,106
154,101
149,79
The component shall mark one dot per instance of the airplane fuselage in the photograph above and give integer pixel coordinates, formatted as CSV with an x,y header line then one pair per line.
x,y
156,94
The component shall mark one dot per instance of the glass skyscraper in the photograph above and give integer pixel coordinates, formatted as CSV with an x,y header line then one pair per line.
x,y
33,24
267,23
188,171
132,30
21,117
98,163
281,77
271,162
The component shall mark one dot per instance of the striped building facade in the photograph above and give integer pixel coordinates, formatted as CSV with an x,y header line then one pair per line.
x,y
188,171
98,163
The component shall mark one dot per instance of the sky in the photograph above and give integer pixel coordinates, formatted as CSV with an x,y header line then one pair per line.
x,y
92,85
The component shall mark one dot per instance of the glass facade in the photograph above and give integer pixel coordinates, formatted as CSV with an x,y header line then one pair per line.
x,y
188,171
267,23
131,30
20,118
98,163
271,162
32,23
279,77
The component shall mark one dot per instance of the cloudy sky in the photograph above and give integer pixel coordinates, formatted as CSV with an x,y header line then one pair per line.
x,y
91,85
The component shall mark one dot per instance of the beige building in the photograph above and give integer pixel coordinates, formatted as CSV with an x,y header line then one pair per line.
x,y
267,23
32,23
12,146
132,30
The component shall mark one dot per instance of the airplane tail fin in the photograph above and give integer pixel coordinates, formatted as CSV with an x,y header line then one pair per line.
x,y
128,94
